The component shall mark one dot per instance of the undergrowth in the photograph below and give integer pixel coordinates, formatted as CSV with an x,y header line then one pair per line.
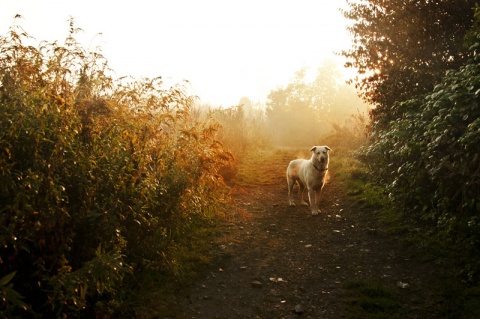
x,y
107,185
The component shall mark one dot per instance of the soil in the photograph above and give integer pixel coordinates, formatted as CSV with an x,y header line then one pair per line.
x,y
277,261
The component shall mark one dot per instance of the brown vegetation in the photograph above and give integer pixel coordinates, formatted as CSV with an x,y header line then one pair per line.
x,y
102,180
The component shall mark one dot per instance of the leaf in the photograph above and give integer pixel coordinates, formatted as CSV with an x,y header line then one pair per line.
x,y
5,280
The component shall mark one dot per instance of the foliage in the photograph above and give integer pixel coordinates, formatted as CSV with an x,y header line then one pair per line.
x,y
242,130
428,160
403,48
242,127
367,297
304,110
349,135
12,300
100,177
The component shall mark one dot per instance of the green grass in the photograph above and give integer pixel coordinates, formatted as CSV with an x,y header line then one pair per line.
x,y
372,300
361,188
356,180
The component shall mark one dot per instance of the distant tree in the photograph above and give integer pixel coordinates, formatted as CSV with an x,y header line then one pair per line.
x,y
246,104
290,111
403,48
326,85
303,110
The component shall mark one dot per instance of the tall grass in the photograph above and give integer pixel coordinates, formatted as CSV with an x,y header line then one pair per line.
x,y
100,178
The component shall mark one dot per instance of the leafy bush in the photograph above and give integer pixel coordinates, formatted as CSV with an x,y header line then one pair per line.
x,y
100,177
429,160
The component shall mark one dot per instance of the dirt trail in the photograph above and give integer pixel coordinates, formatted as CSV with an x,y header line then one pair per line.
x,y
282,262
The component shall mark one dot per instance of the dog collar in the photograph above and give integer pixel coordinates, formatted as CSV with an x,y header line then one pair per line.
x,y
320,170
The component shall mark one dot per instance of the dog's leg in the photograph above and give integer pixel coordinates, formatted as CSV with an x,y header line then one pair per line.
x,y
313,203
302,198
291,183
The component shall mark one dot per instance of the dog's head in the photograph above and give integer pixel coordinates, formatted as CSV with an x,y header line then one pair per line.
x,y
320,154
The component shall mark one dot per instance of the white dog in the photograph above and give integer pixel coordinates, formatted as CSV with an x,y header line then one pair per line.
x,y
310,174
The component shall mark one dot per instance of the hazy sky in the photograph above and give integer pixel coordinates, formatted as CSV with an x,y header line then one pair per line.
x,y
226,49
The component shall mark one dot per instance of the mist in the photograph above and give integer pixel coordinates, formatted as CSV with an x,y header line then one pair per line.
x,y
316,107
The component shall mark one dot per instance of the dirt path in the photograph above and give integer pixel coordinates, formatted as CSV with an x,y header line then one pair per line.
x,y
278,261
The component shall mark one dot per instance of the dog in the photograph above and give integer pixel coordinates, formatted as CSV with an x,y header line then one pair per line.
x,y
309,174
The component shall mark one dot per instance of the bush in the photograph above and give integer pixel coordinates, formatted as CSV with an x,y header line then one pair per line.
x,y
100,177
429,161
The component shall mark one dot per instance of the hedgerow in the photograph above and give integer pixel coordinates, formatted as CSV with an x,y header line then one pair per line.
x,y
429,162
100,177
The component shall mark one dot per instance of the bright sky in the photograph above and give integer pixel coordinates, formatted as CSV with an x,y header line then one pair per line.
x,y
226,49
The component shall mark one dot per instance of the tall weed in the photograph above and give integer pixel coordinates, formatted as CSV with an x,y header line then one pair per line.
x,y
100,177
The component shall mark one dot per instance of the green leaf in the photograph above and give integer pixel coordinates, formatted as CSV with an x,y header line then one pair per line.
x,y
5,280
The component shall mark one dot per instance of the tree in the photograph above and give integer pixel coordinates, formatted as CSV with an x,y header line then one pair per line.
x,y
246,105
402,48
303,111
428,160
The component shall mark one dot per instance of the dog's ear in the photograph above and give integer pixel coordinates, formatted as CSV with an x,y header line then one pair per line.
x,y
328,148
313,149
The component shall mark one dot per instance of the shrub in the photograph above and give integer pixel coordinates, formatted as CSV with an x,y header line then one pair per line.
x,y
429,161
100,177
